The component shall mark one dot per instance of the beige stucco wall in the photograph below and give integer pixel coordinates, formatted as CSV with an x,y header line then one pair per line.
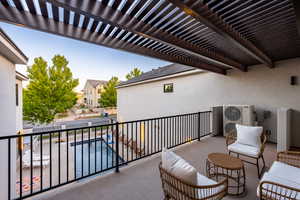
x,y
7,122
267,89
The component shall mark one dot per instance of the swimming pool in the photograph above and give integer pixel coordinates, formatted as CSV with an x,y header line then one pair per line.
x,y
99,152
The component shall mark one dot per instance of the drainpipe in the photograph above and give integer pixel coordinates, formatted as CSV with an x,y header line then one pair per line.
x,y
199,128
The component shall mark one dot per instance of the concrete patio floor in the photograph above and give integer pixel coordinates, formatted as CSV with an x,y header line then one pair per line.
x,y
140,180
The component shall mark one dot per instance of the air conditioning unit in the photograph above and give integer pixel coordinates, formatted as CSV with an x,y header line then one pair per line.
x,y
237,114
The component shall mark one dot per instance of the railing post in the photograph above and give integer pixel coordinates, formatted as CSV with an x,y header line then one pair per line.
x,y
199,131
117,147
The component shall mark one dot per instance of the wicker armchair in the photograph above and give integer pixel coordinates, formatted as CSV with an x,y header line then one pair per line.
x,y
176,189
231,138
271,190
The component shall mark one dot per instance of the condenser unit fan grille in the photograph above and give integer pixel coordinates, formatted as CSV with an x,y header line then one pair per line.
x,y
230,128
233,113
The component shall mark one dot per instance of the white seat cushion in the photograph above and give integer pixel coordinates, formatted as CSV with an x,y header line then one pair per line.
x,y
202,181
249,135
274,178
178,167
285,171
244,149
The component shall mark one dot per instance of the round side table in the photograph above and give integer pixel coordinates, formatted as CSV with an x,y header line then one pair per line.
x,y
223,165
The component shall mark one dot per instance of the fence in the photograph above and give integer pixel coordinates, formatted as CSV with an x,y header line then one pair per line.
x,y
56,158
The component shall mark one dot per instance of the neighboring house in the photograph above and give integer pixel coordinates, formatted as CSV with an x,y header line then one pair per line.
x,y
92,92
150,86
10,55
19,101
195,90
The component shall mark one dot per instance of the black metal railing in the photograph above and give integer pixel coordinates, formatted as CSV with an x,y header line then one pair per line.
x,y
52,159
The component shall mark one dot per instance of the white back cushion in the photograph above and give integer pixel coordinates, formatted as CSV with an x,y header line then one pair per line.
x,y
178,167
249,135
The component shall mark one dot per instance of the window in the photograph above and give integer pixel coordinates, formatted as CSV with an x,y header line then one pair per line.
x,y
17,95
168,88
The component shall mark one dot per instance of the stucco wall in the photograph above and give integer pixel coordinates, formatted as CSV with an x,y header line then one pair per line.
x,y
7,121
267,89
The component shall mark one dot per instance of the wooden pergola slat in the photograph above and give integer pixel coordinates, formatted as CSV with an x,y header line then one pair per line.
x,y
212,35
55,13
76,19
296,4
18,5
27,19
106,14
4,3
211,20
31,7
43,8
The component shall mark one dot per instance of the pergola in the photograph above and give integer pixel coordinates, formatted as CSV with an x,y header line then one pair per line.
x,y
213,35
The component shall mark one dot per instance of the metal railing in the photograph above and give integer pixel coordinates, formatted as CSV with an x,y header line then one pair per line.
x,y
56,158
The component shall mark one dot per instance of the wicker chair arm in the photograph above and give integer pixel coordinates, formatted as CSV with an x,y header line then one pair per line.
x,y
289,157
263,143
230,138
274,191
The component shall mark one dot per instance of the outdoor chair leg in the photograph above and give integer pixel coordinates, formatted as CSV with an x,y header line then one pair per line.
x,y
263,160
264,165
257,165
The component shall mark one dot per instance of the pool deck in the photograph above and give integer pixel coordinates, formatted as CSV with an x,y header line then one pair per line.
x,y
55,162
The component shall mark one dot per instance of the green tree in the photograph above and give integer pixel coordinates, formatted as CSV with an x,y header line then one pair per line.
x,y
109,94
133,73
50,90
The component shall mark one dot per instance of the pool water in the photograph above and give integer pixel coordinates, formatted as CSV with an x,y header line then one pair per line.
x,y
105,157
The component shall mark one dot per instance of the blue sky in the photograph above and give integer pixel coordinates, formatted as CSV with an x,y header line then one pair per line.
x,y
86,60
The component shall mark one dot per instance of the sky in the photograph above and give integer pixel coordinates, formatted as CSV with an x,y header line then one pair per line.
x,y
86,60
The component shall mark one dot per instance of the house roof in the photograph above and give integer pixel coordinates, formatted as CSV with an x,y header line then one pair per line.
x,y
95,83
21,77
10,50
158,73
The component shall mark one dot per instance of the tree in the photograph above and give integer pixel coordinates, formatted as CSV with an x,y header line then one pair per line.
x,y
109,94
50,90
133,73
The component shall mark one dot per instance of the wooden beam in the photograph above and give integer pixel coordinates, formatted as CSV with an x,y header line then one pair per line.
x,y
102,12
297,12
215,23
38,22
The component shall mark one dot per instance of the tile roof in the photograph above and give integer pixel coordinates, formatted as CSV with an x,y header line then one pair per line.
x,y
95,83
158,73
